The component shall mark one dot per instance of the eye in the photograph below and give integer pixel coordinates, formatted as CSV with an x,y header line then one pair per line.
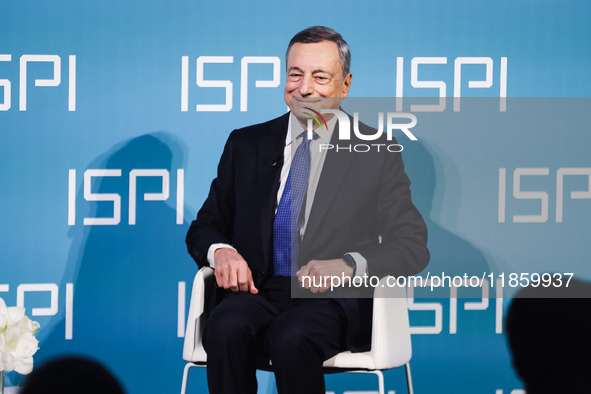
x,y
294,76
322,79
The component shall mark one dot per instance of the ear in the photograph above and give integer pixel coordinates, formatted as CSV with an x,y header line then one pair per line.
x,y
347,84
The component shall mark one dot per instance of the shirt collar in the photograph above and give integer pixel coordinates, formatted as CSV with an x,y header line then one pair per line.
x,y
295,130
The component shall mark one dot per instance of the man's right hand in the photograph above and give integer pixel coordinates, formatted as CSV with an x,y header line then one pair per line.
x,y
232,272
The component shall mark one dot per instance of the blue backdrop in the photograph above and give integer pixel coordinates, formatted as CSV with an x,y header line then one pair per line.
x,y
113,116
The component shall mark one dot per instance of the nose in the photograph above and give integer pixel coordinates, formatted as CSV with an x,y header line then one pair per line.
x,y
306,88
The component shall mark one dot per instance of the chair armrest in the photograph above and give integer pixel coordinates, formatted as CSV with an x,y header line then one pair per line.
x,y
391,345
203,285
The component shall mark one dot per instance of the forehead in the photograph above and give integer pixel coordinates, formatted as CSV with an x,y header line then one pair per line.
x,y
323,54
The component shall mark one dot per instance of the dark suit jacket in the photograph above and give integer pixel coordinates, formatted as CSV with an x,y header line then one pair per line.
x,y
360,198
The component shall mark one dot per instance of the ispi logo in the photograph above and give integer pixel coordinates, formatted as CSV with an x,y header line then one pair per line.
x,y
344,129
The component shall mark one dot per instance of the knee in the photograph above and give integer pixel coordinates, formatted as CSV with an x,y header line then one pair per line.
x,y
287,342
226,330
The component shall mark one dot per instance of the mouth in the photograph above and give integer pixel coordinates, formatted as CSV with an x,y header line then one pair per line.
x,y
308,100
299,103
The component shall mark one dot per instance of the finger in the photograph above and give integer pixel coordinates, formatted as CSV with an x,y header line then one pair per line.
x,y
219,278
252,288
226,278
323,284
303,269
305,281
243,278
303,272
232,283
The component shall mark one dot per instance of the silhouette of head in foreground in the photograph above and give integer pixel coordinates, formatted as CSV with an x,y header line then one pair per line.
x,y
549,335
69,375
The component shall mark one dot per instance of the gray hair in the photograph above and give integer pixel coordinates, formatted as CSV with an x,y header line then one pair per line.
x,y
316,34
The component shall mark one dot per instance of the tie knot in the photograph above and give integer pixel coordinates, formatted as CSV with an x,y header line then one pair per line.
x,y
307,134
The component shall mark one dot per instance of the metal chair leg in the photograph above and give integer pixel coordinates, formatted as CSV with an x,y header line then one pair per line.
x,y
186,376
381,386
408,378
380,375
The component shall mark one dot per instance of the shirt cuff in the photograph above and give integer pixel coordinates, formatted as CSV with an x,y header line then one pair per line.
x,y
212,250
361,263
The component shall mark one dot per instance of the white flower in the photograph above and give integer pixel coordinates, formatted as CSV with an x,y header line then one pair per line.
x,y
17,339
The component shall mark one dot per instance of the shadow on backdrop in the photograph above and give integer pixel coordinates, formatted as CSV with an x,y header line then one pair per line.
x,y
449,252
126,276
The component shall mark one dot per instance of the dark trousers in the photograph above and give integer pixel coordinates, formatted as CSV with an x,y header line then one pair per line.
x,y
297,335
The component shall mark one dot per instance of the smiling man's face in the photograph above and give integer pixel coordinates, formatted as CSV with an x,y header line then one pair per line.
x,y
314,78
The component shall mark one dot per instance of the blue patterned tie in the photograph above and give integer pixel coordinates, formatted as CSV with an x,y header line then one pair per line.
x,y
285,226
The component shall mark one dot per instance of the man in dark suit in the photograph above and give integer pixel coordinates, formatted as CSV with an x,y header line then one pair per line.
x,y
352,217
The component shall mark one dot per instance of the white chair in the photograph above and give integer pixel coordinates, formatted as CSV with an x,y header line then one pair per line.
x,y
390,345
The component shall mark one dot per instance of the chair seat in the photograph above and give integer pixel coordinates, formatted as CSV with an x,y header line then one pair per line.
x,y
348,360
390,348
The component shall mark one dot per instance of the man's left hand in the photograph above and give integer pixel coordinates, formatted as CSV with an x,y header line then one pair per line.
x,y
321,272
